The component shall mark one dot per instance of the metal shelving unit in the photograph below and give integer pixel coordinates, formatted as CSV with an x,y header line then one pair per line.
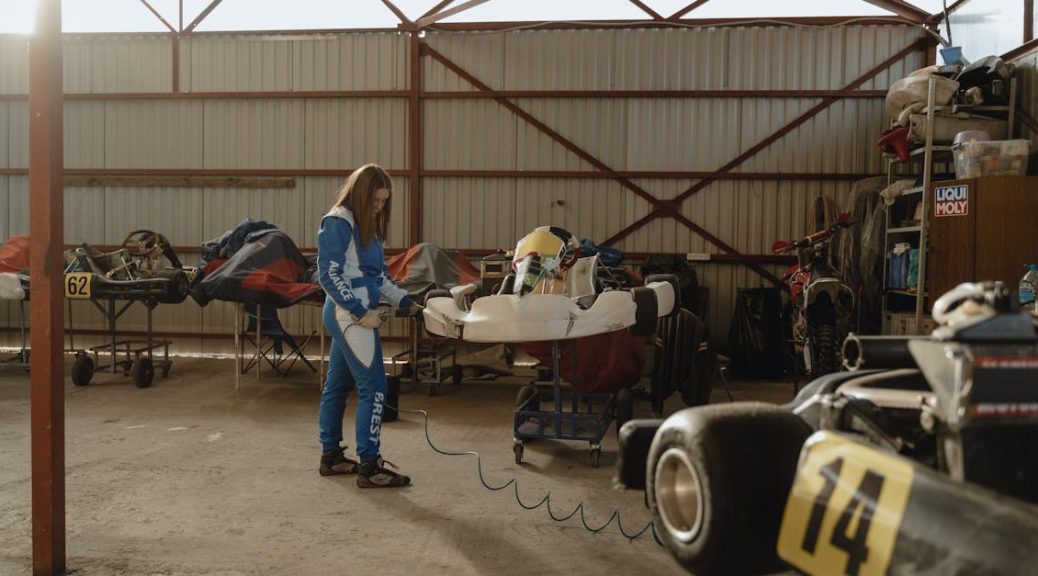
x,y
926,155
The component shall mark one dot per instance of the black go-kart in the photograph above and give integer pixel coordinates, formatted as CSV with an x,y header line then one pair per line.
x,y
922,459
145,267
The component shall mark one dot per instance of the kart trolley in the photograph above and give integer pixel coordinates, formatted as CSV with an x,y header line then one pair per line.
x,y
575,415
131,274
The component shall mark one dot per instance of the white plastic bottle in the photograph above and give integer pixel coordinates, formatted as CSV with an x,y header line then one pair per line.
x,y
1028,286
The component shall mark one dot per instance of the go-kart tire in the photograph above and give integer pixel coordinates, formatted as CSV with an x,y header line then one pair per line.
x,y
82,370
717,481
675,284
142,372
645,311
634,439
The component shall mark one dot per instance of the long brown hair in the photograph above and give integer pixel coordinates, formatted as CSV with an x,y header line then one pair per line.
x,y
358,194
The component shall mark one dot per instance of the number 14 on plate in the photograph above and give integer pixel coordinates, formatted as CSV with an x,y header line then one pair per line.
x,y
844,510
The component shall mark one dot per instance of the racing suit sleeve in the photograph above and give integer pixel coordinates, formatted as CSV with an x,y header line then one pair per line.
x,y
396,295
332,241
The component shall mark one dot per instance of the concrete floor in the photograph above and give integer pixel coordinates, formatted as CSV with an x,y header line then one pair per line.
x,y
191,477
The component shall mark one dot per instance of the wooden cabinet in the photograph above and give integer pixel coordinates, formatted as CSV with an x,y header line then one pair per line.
x,y
981,229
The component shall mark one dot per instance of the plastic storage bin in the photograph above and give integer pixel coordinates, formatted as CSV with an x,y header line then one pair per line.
x,y
995,158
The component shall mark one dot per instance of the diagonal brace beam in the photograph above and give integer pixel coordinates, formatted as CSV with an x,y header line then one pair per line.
x,y
194,23
645,8
904,10
687,9
159,16
662,207
824,104
433,18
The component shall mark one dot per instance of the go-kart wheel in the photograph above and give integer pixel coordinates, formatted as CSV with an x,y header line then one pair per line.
x,y
82,370
675,284
633,442
644,312
717,481
517,449
142,372
624,407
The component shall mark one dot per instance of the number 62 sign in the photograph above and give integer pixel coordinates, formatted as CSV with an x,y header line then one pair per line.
x,y
77,285
845,508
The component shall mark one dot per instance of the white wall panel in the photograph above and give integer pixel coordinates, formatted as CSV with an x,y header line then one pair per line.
x,y
154,134
14,64
481,55
578,121
237,63
18,134
5,134
17,216
223,209
261,134
5,210
353,132
560,60
176,213
694,135
84,125
363,61
123,63
86,219
468,134
469,212
671,59
587,208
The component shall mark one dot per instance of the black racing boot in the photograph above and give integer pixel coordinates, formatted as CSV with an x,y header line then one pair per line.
x,y
374,474
336,462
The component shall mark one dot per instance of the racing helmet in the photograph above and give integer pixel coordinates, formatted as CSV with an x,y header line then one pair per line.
x,y
545,253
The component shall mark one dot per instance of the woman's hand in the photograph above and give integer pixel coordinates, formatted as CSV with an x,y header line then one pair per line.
x,y
371,320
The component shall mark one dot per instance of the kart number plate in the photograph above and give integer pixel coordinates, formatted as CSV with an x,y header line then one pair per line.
x,y
845,508
77,285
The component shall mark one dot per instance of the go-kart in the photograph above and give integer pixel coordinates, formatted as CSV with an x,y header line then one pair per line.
x,y
145,267
920,460
551,295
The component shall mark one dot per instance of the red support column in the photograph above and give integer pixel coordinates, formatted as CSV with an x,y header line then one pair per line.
x,y
46,223
414,200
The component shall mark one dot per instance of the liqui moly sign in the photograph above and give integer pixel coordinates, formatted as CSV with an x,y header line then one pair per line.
x,y
951,201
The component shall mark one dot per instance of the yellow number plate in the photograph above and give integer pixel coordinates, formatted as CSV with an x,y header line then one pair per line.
x,y
845,508
77,285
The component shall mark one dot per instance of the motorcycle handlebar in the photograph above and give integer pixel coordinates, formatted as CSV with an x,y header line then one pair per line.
x,y
813,238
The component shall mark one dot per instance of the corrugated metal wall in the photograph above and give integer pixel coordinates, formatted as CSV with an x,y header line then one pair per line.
x,y
475,134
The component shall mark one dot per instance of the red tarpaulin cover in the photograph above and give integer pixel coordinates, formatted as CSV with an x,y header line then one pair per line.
x,y
14,255
426,266
605,362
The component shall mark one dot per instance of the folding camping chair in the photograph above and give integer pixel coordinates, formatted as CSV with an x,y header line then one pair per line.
x,y
268,340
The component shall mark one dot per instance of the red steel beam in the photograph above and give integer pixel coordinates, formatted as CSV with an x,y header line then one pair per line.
x,y
436,8
194,23
462,94
655,15
1028,20
824,104
687,9
427,173
938,16
46,229
824,21
414,201
663,207
903,9
175,47
1021,51
433,18
157,15
398,13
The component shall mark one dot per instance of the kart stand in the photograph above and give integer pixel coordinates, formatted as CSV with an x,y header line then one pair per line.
x,y
581,416
137,355
21,356
425,360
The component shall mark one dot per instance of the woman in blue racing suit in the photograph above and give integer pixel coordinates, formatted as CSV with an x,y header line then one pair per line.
x,y
352,269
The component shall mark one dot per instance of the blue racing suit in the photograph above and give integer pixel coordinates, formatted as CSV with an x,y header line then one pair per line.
x,y
354,278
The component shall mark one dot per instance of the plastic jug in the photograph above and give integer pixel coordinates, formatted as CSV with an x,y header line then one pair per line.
x,y
1028,285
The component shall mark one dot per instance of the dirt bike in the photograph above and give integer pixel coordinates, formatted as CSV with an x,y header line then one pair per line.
x,y
821,305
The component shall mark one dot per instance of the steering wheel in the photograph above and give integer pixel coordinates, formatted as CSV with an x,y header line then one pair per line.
x,y
142,242
572,254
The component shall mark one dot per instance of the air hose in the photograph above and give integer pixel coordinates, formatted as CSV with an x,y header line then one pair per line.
x,y
545,501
